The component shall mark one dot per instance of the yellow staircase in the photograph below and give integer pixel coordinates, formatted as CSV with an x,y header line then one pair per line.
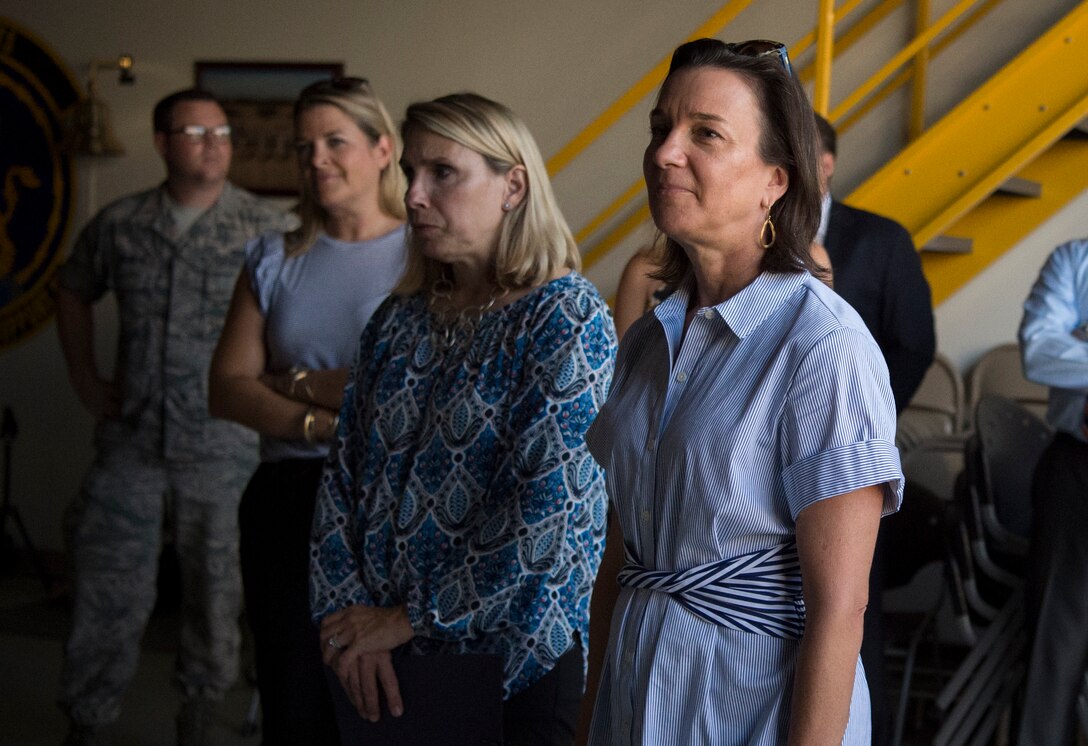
x,y
998,165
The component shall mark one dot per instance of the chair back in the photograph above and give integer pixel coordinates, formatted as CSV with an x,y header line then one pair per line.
x,y
1000,372
937,408
935,465
1011,440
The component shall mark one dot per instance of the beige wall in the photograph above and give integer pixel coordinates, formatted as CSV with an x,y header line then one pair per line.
x,y
557,63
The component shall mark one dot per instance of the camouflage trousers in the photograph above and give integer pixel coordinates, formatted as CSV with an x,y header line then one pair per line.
x,y
114,531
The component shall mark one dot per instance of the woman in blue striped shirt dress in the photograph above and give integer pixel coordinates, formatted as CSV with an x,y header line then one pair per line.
x,y
748,437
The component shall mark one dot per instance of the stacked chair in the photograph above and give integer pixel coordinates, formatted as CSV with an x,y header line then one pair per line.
x,y
998,372
993,517
937,409
955,625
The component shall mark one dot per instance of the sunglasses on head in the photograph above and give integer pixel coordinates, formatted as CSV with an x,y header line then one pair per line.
x,y
761,48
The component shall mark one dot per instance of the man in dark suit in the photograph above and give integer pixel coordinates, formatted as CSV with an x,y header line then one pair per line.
x,y
878,271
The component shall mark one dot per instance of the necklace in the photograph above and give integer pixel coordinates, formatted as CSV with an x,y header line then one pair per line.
x,y
452,328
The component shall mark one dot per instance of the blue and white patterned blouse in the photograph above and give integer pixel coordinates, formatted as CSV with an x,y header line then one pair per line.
x,y
460,483
713,441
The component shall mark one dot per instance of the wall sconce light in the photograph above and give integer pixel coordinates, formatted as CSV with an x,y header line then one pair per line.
x,y
89,128
125,75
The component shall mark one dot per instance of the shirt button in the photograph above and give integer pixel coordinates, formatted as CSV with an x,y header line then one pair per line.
x,y
645,516
708,314
650,444
681,377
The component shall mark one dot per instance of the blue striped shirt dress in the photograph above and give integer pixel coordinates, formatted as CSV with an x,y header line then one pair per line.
x,y
713,442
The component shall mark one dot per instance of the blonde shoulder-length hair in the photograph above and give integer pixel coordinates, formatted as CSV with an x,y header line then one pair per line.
x,y
534,240
355,97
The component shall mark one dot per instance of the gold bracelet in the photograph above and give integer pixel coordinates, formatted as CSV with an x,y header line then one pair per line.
x,y
309,426
292,378
299,375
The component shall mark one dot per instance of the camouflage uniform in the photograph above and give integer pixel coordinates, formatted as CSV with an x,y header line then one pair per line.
x,y
164,457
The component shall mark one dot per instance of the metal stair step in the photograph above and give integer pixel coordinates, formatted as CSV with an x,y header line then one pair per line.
x,y
1021,187
949,245
1080,130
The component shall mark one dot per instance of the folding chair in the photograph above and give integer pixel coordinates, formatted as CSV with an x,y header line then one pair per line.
x,y
937,408
999,372
1011,440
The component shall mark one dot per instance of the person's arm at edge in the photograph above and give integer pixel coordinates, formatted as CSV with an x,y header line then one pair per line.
x,y
75,328
632,292
835,541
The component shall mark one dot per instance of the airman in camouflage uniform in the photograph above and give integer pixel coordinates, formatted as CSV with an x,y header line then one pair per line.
x,y
170,255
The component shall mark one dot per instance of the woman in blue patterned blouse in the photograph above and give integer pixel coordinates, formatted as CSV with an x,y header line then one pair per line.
x,y
748,439
460,511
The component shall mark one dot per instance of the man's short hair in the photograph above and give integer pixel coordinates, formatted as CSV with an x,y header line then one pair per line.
x,y
162,116
829,141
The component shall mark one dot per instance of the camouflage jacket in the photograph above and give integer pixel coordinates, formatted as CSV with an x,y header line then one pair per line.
x,y
172,296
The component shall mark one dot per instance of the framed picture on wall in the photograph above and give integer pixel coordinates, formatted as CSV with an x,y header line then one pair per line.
x,y
258,98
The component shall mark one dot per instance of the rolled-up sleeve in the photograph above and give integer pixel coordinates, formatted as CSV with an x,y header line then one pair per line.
x,y
838,431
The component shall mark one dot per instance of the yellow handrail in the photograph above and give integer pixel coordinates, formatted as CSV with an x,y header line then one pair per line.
x,y
617,204
825,51
722,18
900,59
905,74
632,221
847,40
920,74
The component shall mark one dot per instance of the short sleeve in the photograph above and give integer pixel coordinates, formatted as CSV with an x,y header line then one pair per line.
x,y
838,431
264,257
86,271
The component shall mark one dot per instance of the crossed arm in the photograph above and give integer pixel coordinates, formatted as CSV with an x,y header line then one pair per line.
x,y
272,404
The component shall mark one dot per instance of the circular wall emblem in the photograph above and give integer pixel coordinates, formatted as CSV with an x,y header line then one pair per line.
x,y
36,181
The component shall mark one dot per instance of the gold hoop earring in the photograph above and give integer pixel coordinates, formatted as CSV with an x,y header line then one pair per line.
x,y
768,225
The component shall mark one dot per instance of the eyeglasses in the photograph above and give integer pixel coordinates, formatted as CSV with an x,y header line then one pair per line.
x,y
198,133
761,48
341,84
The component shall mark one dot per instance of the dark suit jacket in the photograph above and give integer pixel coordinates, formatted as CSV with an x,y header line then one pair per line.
x,y
877,270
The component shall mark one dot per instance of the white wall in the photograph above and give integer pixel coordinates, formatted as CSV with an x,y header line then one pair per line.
x,y
557,63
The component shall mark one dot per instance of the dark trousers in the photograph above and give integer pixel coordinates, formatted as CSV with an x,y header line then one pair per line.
x,y
545,714
274,518
1057,588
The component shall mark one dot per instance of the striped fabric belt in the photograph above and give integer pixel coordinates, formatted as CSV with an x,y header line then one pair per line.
x,y
758,592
